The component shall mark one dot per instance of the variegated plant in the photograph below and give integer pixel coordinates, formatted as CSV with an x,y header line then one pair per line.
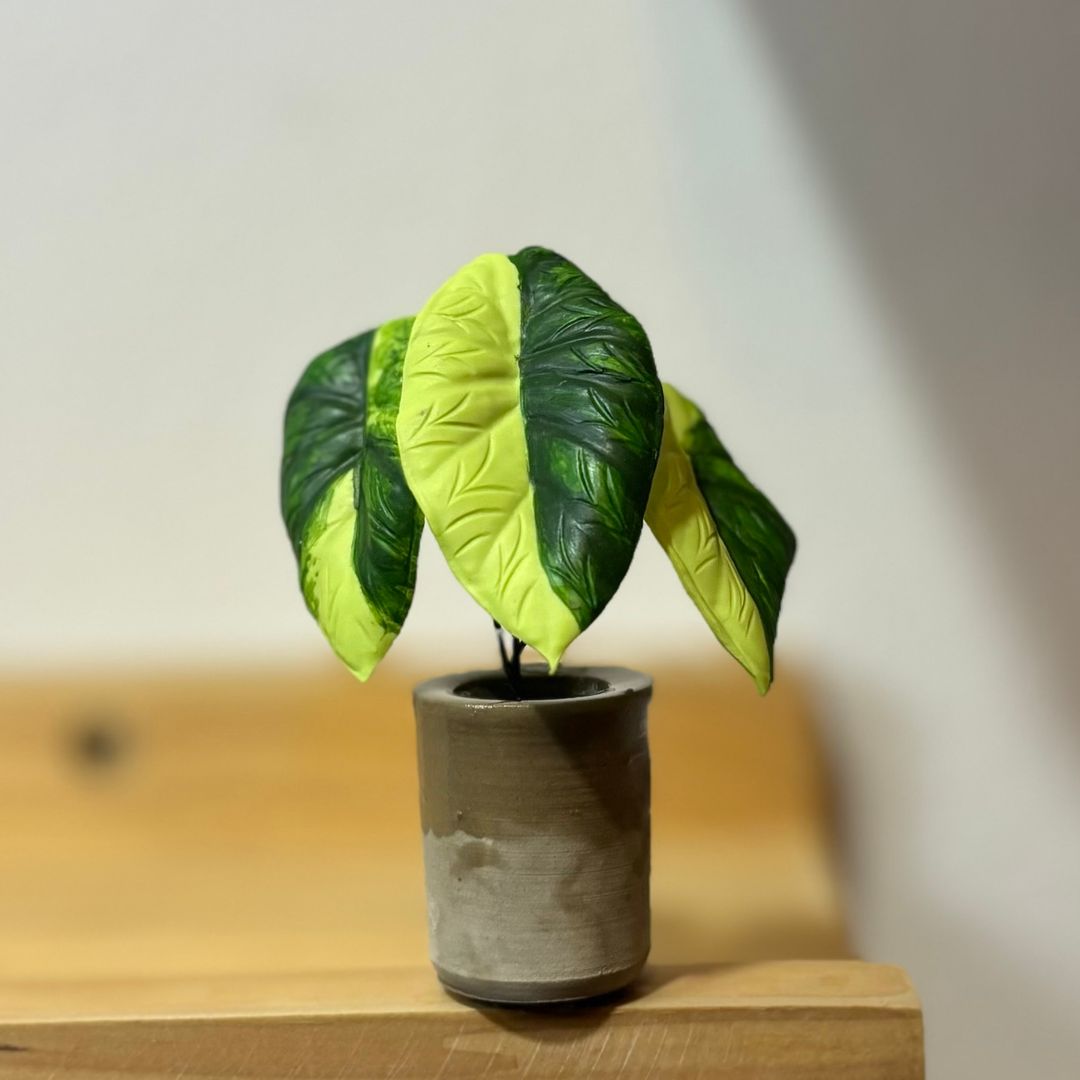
x,y
520,413
353,523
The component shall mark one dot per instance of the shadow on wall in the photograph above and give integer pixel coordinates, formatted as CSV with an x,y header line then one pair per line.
x,y
947,135
983,1014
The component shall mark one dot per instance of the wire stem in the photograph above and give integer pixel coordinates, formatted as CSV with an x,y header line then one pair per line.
x,y
511,661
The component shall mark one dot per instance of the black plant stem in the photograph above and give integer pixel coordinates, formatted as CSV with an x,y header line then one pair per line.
x,y
511,661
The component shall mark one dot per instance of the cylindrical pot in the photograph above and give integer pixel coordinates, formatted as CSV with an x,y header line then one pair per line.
x,y
536,832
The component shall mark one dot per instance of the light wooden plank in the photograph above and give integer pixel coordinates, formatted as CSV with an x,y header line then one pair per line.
x,y
158,905
770,1020
267,822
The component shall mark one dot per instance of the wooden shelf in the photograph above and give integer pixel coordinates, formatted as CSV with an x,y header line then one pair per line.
x,y
809,1019
178,849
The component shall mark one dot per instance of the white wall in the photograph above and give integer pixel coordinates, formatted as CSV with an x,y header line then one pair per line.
x,y
198,196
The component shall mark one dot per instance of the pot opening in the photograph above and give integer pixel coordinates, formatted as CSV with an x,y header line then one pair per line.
x,y
534,687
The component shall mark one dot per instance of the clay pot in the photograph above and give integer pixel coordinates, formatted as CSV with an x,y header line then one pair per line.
x,y
536,832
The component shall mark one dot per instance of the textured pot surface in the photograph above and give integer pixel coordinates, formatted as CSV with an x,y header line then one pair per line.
x,y
536,833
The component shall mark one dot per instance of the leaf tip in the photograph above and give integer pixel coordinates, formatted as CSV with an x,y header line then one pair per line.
x,y
362,671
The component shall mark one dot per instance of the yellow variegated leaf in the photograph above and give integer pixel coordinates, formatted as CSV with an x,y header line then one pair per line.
x,y
354,525
728,544
331,588
461,434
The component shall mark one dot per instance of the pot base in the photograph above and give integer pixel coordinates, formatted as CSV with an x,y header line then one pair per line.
x,y
572,991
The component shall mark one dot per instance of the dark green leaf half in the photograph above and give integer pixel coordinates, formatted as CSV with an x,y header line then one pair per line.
x,y
593,410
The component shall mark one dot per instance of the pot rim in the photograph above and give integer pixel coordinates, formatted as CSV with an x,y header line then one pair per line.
x,y
622,683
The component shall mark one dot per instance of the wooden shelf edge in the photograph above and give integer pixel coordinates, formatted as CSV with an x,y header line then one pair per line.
x,y
794,1019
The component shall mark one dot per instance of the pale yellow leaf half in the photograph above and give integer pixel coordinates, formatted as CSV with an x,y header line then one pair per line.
x,y
680,519
330,585
461,435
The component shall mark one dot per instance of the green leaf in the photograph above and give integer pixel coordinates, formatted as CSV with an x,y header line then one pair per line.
x,y
530,423
593,409
353,523
729,545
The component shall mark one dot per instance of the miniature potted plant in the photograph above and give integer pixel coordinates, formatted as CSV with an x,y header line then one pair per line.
x,y
520,415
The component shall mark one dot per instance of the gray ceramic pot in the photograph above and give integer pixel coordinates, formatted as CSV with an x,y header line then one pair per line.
x,y
536,832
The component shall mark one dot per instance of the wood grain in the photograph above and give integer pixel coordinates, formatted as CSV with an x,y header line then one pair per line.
x,y
782,1020
219,875
268,821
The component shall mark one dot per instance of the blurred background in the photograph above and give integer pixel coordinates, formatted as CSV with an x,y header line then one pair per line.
x,y
852,231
